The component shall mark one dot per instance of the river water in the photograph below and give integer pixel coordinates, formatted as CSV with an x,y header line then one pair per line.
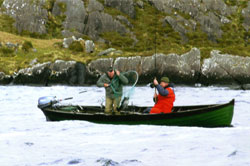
x,y
26,139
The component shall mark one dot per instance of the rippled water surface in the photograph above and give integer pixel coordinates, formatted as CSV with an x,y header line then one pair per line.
x,y
26,139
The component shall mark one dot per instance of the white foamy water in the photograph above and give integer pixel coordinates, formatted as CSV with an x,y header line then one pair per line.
x,y
26,139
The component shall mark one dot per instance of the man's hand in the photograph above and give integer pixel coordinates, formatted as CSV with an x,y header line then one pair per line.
x,y
106,85
155,95
117,72
155,82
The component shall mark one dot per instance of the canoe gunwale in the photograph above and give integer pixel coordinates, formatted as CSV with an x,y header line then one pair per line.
x,y
203,109
217,115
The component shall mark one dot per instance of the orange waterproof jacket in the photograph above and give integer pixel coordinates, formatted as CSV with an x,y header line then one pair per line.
x,y
164,103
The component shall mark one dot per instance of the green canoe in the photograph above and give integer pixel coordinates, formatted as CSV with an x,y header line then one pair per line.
x,y
215,115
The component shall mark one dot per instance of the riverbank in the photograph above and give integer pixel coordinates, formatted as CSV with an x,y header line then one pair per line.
x,y
188,68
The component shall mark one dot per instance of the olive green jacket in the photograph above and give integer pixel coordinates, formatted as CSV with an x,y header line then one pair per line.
x,y
115,85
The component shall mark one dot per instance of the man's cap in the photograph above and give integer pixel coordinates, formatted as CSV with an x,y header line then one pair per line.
x,y
110,69
165,79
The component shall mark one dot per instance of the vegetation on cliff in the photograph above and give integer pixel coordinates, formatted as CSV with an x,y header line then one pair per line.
x,y
147,35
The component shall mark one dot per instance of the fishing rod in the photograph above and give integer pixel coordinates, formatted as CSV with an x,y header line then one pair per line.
x,y
155,38
155,71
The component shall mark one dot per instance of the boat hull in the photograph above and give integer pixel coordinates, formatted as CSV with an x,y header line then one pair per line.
x,y
218,115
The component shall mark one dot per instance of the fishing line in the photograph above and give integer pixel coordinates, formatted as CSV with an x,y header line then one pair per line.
x,y
129,91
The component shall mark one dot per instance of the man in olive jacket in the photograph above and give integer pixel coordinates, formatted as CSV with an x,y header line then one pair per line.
x,y
113,82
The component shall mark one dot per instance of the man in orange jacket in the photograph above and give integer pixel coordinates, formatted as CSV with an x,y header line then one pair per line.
x,y
165,99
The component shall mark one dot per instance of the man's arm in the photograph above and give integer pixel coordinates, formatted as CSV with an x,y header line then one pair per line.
x,y
161,90
101,81
123,79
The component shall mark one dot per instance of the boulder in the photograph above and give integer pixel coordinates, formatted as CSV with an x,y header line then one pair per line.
x,y
106,52
29,15
225,69
11,45
59,72
5,79
37,74
67,72
33,62
89,46
68,41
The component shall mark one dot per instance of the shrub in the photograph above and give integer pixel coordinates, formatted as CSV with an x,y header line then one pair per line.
x,y
6,51
58,44
76,46
27,45
1,2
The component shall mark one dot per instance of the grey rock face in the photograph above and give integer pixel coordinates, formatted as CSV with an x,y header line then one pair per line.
x,y
210,14
99,22
140,4
246,15
211,25
177,26
95,6
29,15
225,69
125,6
75,14
124,64
124,20
184,68
96,68
100,66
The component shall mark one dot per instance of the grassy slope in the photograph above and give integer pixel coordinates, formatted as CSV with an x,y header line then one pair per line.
x,y
147,27
46,51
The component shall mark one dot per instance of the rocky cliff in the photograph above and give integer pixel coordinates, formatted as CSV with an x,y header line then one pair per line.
x,y
153,37
212,18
